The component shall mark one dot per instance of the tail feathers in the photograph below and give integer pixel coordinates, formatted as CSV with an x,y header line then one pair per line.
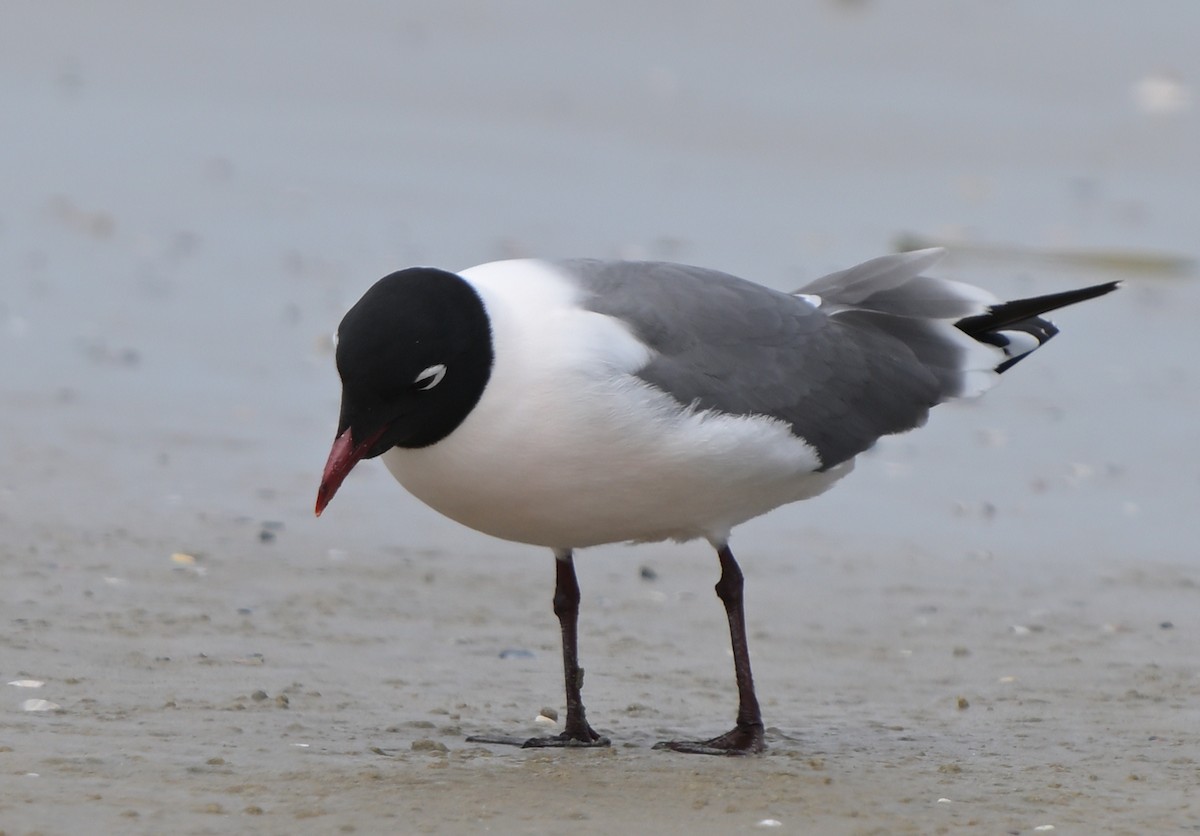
x,y
1017,328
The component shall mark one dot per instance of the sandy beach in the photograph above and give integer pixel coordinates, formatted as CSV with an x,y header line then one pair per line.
x,y
991,626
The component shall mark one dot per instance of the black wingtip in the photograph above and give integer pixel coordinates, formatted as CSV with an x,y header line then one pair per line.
x,y
1007,314
996,327
1096,290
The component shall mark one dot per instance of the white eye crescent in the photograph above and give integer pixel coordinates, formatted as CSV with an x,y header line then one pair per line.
x,y
431,377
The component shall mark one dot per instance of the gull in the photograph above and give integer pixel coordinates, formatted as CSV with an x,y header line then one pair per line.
x,y
572,403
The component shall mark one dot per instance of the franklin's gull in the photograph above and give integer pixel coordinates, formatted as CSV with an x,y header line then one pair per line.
x,y
567,404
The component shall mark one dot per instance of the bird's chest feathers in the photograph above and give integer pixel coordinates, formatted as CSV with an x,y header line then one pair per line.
x,y
567,447
559,412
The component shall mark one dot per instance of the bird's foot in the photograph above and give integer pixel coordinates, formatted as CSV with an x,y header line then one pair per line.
x,y
566,740
741,740
576,739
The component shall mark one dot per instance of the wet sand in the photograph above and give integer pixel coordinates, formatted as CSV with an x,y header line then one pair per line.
x,y
991,625
281,691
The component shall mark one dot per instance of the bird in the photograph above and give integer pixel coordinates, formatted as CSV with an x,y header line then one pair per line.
x,y
576,402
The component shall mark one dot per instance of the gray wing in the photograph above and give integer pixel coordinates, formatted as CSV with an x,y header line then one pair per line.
x,y
841,379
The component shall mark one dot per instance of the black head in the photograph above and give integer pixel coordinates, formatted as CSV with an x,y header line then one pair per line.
x,y
414,355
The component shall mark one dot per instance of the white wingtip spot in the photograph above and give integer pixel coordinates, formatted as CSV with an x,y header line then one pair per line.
x,y
1020,343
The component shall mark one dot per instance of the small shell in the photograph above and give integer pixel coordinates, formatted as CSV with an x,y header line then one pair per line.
x,y
39,705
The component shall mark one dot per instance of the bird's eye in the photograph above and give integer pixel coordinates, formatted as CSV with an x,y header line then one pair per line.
x,y
431,377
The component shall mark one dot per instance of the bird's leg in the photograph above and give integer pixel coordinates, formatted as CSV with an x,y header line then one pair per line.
x,y
747,736
576,731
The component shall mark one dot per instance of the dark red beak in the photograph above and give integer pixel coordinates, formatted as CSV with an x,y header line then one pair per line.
x,y
342,458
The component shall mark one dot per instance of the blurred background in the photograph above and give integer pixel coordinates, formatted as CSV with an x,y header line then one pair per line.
x,y
194,193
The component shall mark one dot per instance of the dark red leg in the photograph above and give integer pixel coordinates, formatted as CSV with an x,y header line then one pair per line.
x,y
576,731
747,736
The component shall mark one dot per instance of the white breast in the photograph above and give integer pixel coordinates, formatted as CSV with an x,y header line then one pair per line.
x,y
567,448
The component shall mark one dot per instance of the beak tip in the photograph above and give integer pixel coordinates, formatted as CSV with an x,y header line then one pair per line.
x,y
342,458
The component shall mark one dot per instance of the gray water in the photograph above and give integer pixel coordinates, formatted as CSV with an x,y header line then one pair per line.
x,y
193,196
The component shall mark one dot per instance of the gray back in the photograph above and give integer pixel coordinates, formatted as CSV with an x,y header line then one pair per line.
x,y
727,344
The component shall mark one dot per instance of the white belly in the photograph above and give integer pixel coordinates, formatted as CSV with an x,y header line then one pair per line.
x,y
569,449
582,485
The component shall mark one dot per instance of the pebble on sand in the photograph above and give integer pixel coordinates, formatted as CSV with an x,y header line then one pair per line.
x,y
39,705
